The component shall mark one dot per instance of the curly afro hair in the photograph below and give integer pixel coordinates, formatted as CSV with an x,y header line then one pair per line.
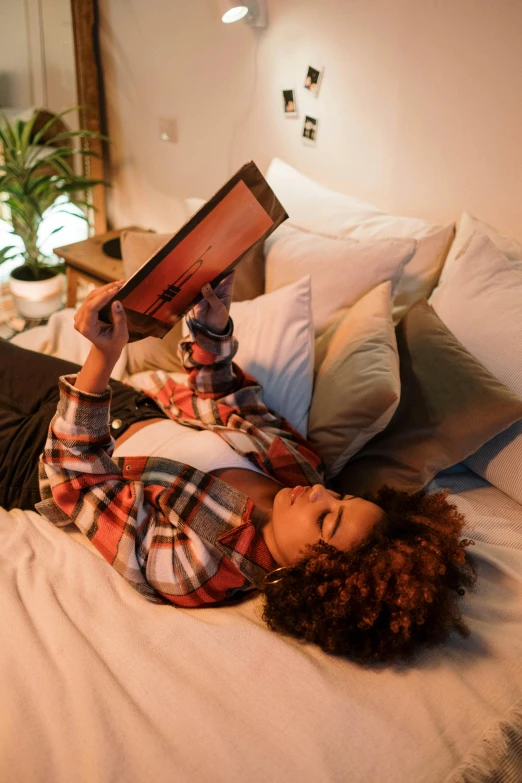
x,y
389,596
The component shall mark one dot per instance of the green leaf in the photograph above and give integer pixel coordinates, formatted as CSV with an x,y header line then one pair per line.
x,y
6,253
26,135
83,134
81,184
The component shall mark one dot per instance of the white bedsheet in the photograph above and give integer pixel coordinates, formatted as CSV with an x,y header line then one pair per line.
x,y
99,685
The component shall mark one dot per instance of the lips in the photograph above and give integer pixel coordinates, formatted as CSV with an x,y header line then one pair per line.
x,y
296,492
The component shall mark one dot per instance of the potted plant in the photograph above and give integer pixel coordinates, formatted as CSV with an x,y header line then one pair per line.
x,y
37,178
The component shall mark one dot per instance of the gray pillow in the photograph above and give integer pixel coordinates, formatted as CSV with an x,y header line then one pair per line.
x,y
450,406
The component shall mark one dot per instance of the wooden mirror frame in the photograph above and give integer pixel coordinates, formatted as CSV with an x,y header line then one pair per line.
x,y
92,116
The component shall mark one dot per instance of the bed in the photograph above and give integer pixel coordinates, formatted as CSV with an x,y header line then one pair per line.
x,y
101,685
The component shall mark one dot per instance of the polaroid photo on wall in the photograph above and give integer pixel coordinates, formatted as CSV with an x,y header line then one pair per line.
x,y
310,130
313,80
290,103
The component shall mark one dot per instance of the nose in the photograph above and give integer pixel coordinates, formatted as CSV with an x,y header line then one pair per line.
x,y
317,493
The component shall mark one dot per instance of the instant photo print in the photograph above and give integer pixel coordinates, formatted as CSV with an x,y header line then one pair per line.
x,y
290,103
310,130
313,80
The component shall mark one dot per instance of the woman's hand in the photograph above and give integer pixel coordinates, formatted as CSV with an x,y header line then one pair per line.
x,y
109,340
214,308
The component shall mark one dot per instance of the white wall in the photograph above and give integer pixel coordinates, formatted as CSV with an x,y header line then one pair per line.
x,y
420,108
15,61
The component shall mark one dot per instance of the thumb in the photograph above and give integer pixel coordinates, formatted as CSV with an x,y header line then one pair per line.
x,y
210,295
119,318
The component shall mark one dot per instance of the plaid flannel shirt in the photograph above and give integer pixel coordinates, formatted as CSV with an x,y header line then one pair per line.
x,y
177,534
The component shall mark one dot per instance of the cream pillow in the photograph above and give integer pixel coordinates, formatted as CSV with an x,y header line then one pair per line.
x,y
469,225
275,335
276,346
341,270
357,388
480,301
315,208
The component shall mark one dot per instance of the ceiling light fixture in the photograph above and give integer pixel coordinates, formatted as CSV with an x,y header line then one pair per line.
x,y
254,12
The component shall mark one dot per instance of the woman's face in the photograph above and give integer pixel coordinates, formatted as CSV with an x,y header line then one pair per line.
x,y
305,515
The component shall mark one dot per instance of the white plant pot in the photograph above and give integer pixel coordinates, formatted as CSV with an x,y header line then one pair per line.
x,y
37,299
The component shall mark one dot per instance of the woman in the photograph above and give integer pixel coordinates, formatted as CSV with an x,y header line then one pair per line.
x,y
370,578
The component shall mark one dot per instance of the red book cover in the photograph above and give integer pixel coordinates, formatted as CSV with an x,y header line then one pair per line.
x,y
208,247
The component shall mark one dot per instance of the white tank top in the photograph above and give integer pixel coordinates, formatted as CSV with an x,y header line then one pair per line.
x,y
201,449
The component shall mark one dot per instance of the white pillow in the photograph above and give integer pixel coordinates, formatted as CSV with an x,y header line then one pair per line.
x,y
341,270
275,335
315,208
480,301
357,388
469,225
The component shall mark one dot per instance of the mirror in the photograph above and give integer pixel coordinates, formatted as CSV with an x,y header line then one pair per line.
x,y
49,59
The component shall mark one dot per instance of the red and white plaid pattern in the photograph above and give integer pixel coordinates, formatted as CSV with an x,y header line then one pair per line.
x,y
178,535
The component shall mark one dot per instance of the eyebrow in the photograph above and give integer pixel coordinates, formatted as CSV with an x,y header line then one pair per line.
x,y
337,523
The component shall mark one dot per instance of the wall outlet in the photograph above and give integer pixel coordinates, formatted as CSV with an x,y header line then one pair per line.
x,y
168,128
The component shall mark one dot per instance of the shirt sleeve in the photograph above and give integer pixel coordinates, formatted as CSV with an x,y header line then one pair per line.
x,y
208,360
222,397
76,468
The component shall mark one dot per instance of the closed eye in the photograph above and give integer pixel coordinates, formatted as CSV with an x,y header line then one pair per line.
x,y
320,521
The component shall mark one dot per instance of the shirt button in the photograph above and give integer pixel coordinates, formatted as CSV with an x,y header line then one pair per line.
x,y
116,424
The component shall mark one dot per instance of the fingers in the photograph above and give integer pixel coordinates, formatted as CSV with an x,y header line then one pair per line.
x,y
86,317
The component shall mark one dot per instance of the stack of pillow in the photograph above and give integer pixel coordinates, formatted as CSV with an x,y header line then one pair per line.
x,y
401,389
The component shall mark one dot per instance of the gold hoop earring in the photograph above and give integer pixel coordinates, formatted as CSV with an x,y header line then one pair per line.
x,y
269,581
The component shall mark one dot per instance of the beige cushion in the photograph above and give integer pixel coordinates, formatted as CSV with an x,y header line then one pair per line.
x,y
469,225
153,353
357,389
450,405
315,208
480,300
341,270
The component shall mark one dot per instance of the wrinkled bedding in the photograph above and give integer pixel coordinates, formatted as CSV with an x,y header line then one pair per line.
x,y
100,685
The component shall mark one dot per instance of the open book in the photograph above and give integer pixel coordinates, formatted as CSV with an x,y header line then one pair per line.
x,y
205,250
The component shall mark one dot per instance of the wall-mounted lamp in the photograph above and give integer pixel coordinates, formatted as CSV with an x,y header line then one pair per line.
x,y
254,12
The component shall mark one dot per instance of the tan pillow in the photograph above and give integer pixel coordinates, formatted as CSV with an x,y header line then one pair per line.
x,y
342,270
153,353
450,405
315,208
357,388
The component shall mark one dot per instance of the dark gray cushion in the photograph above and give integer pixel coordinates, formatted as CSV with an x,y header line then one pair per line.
x,y
450,406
